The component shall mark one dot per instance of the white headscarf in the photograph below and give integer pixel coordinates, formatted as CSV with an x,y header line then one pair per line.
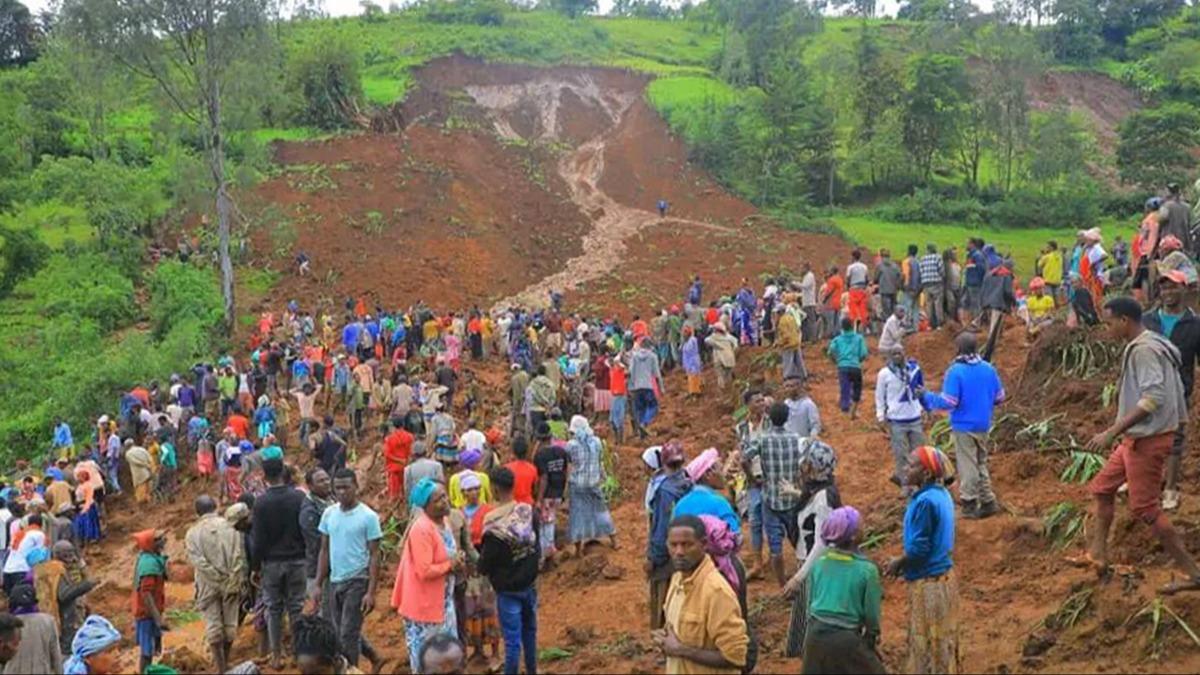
x,y
579,425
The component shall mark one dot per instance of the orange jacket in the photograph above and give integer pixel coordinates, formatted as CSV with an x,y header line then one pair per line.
x,y
420,589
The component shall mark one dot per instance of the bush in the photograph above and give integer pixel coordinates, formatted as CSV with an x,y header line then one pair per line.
x,y
927,206
477,12
21,254
324,73
1077,207
181,292
82,287
119,200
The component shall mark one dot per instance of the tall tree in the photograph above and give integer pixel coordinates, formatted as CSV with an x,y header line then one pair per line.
x,y
935,98
1004,59
878,90
188,48
1059,147
19,34
1159,145
1075,35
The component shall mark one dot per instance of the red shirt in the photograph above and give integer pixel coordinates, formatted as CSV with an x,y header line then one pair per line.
x,y
397,449
712,316
616,380
525,474
834,286
143,395
639,329
240,425
156,587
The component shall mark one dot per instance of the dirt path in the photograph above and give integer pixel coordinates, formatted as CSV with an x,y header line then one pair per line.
x,y
582,169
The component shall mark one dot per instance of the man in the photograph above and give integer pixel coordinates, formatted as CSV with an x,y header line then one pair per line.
x,y
748,430
1173,320
277,551
911,269
831,300
804,419
328,445
976,268
808,301
397,450
553,468
892,335
543,397
508,557
933,277
1151,404
857,279
848,351
724,354
898,409
443,654
317,648
10,637
781,452
705,631
1176,218
350,534
149,595
888,279
787,341
218,557
672,485
60,582
645,378
320,491
525,473
517,385
927,566
970,391
695,291
422,467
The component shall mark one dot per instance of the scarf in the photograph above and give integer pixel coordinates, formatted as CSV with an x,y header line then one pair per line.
x,y
721,544
512,524
149,565
94,636
968,359
910,374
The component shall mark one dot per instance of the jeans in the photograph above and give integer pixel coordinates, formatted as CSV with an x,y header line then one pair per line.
x,y
887,304
645,407
850,385
518,623
909,300
283,583
756,518
345,608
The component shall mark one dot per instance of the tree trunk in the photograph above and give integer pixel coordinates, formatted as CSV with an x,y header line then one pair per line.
x,y
216,154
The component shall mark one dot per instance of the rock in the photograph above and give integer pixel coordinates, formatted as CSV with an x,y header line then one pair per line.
x,y
580,635
1038,644
613,572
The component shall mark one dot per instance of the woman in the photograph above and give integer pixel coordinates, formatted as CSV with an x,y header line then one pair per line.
x,y
87,523
482,626
690,355
469,460
705,498
844,609
38,651
423,594
93,649
819,497
1091,265
601,393
589,516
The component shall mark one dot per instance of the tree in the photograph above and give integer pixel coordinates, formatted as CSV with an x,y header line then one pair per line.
x,y
878,90
798,144
1004,60
188,48
956,12
324,73
863,8
574,8
1075,35
1159,145
1122,18
19,34
1059,145
935,97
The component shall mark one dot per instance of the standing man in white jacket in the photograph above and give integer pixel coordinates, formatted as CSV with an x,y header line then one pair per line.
x,y
898,409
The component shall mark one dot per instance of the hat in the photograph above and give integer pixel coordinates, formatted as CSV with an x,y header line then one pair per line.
x,y
103,419
470,458
651,456
469,481
237,512
1177,276
701,464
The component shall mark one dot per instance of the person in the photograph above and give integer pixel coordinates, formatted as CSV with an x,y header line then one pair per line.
x,y
1150,407
1176,217
645,385
704,630
218,556
662,208
973,274
423,594
804,419
892,334
898,409
319,497
933,275
619,386
780,451
831,300
928,566
887,277
808,302
421,467
141,470
787,341
724,353
397,450
479,598
971,389
669,486
39,650
277,553
589,516
149,594
93,648
20,559
910,269
1050,265
1040,306
525,473
1175,321
349,560
705,498
60,582
10,636
87,521
318,648
819,497
443,654
857,279
470,461
848,350
508,557
692,365
551,462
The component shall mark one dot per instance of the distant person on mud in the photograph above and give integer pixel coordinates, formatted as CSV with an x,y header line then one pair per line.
x,y
970,391
787,338
695,292
645,385
1176,217
1173,320
780,452
857,280
848,351
662,208
808,302
1151,406
303,264
899,411
887,278
933,285
928,567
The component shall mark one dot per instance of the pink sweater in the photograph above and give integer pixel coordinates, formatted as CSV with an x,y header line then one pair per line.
x,y
419,593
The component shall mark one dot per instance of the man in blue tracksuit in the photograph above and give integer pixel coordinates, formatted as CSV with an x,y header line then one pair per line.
x,y
970,391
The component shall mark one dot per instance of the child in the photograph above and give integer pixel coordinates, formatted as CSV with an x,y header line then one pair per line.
x,y
264,417
819,496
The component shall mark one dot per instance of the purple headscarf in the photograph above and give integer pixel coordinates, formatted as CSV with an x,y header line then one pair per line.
x,y
841,525
722,544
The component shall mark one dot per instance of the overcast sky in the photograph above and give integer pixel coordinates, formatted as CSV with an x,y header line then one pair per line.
x,y
345,7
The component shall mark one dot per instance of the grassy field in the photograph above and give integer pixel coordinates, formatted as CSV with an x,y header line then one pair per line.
x,y
1024,244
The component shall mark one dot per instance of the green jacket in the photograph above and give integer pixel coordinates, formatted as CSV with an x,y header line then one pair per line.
x,y
848,350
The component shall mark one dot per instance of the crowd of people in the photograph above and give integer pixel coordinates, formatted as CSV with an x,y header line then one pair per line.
x,y
480,496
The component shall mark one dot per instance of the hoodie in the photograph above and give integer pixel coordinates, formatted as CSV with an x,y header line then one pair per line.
x,y
644,372
670,490
1150,380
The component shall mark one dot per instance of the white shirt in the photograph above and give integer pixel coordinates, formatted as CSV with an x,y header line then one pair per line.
x,y
892,335
857,275
472,439
174,413
16,563
893,401
808,290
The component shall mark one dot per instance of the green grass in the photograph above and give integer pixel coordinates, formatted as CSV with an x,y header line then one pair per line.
x,y
288,134
1023,243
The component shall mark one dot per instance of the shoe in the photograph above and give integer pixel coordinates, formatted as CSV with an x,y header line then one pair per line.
x,y
985,510
1170,500
966,505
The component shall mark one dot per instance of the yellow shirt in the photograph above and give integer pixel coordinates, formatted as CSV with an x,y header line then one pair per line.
x,y
703,611
1039,308
454,489
1052,267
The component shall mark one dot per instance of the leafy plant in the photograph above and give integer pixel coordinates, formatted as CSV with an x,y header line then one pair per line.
x,y
1082,466
1157,611
1070,610
1109,394
1040,432
554,654
1063,523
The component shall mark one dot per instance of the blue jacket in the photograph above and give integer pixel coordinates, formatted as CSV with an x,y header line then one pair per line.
x,y
929,533
350,336
702,500
976,267
848,349
670,491
970,391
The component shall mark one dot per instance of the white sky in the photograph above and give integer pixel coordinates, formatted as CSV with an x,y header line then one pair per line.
x,y
348,7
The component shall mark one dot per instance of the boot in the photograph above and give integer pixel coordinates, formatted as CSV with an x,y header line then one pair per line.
x,y
982,510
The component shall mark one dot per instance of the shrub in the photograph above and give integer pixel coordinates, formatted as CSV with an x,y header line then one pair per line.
x,y
83,287
21,254
477,12
183,293
324,73
927,206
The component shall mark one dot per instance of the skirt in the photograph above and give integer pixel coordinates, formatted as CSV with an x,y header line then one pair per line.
x,y
798,624
830,649
417,632
589,516
205,463
480,609
602,400
693,383
933,626
87,525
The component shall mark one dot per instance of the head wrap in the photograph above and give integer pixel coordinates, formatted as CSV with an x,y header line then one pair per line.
x,y
470,458
671,453
1170,243
580,427
94,636
245,446
841,525
821,459
23,599
422,493
1037,282
652,457
272,452
470,480
145,540
721,544
236,513
55,473
701,464
1092,235
934,461
263,401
